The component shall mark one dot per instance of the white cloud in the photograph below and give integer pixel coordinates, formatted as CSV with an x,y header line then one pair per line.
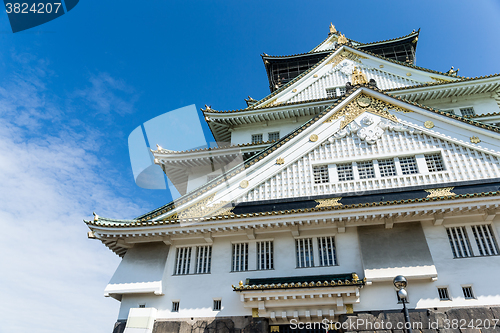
x,y
52,277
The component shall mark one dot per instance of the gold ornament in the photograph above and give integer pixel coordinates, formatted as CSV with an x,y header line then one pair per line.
x,y
244,184
440,192
429,124
358,77
330,202
342,40
280,161
313,138
353,110
332,28
475,139
294,90
275,328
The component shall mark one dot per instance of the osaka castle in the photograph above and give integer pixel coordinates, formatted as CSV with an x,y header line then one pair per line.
x,y
358,167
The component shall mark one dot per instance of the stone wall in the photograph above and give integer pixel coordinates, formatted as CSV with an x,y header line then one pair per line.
x,y
453,320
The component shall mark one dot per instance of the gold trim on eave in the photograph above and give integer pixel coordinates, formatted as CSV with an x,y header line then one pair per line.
x,y
244,184
280,161
440,192
313,138
330,202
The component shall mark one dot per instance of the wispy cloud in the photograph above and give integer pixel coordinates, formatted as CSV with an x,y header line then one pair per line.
x,y
106,95
51,177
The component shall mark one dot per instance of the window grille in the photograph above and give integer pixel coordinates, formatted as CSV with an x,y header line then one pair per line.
x,y
344,172
408,165
326,250
304,252
443,294
466,112
182,260
265,258
240,257
459,242
365,170
331,92
217,304
273,136
320,174
483,234
468,294
203,259
387,167
175,306
341,91
257,138
434,162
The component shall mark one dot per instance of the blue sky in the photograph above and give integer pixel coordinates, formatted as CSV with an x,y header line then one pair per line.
x,y
72,90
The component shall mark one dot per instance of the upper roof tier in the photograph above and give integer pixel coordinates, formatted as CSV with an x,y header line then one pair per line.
x,y
282,69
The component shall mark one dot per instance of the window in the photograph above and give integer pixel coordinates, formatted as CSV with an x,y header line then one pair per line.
x,y
175,306
240,257
365,170
273,136
341,91
142,306
182,260
408,165
331,92
304,252
468,293
326,250
345,172
459,242
217,304
320,174
443,294
387,167
485,240
466,112
203,259
483,236
434,162
265,258
257,138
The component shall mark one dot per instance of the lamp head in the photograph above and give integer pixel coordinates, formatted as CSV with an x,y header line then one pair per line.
x,y
402,294
400,282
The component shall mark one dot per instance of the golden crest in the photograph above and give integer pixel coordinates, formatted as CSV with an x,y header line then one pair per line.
x,y
313,138
280,160
294,90
244,184
439,192
475,139
364,101
358,77
255,313
275,328
429,124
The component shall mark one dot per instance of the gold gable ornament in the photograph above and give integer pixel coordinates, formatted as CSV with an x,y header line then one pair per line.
x,y
280,161
358,77
475,139
332,28
342,40
440,192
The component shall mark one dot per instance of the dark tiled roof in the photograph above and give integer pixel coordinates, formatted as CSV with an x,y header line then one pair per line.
x,y
312,281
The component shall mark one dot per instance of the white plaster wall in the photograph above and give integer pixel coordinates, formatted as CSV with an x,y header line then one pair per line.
x,y
243,134
482,103
196,292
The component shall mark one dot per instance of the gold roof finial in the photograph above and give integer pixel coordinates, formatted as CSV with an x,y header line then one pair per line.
x,y
358,77
342,39
332,28
241,284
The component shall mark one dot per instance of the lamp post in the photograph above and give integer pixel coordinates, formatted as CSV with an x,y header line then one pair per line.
x,y
400,283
